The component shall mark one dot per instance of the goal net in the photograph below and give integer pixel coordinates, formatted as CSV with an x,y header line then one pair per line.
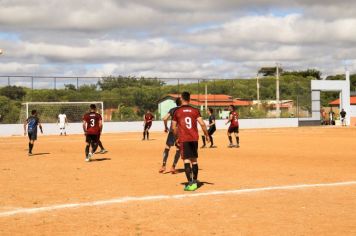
x,y
48,111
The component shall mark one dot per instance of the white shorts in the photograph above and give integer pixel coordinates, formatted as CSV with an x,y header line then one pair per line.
x,y
62,126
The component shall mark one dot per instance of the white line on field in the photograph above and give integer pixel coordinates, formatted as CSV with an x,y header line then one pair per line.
x,y
167,197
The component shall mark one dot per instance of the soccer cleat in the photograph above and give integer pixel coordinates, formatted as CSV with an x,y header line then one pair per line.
x,y
231,145
30,154
212,146
203,146
237,145
103,151
163,169
88,158
191,187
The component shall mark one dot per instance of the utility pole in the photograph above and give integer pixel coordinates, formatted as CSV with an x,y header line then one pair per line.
x,y
278,110
258,87
206,98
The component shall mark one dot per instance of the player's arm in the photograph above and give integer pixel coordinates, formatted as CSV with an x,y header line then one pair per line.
x,y
165,122
229,120
144,120
85,127
203,127
40,126
174,128
100,125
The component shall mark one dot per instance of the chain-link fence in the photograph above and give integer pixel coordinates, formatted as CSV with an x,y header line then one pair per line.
x,y
128,98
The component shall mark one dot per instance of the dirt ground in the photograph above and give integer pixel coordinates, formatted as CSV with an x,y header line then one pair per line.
x,y
58,175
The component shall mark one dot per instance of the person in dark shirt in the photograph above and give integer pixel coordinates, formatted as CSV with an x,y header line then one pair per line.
x,y
147,123
343,116
31,124
234,127
171,140
211,130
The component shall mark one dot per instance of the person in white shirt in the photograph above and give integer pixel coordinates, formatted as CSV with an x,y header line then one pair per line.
x,y
62,121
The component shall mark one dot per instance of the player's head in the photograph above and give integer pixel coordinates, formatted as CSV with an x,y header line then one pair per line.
x,y
185,97
92,107
33,112
231,108
148,111
210,110
178,102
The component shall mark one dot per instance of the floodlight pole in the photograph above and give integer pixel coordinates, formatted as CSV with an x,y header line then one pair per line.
x,y
277,91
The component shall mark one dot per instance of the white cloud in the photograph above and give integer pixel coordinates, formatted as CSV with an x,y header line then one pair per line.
x,y
174,38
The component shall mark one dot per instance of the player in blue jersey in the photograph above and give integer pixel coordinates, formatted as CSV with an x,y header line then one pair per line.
x,y
31,124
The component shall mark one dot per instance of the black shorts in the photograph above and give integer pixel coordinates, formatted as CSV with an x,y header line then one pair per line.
x,y
211,130
32,135
233,130
189,150
148,125
92,138
171,140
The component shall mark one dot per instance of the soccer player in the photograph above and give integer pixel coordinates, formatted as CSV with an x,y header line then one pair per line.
x,y
147,123
92,126
184,125
211,130
171,140
234,126
343,116
62,121
31,123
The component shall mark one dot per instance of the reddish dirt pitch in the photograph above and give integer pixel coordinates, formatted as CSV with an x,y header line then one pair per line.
x,y
268,157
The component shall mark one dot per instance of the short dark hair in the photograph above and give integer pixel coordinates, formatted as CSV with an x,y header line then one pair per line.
x,y
33,112
92,106
233,107
211,110
178,102
185,96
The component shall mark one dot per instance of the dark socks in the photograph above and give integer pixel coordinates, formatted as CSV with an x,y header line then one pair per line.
x,y
101,145
30,147
148,135
188,171
203,138
176,158
230,139
94,146
165,156
87,150
237,140
211,140
195,170
144,134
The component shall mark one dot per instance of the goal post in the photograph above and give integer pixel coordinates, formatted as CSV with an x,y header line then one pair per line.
x,y
48,111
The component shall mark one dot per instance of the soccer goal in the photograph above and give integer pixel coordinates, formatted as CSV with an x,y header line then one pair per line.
x,y
48,111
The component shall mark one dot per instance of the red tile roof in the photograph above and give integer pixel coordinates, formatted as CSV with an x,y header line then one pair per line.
x,y
337,101
217,100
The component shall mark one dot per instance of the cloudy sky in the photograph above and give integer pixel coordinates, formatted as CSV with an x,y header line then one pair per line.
x,y
175,38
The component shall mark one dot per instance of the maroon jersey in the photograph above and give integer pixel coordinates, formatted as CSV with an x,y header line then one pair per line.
x,y
234,121
148,117
186,118
92,119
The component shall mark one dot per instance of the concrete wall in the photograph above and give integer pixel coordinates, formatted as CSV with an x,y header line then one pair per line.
x,y
117,127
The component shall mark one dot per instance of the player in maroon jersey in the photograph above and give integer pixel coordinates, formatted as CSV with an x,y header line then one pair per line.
x,y
147,123
234,126
184,124
92,126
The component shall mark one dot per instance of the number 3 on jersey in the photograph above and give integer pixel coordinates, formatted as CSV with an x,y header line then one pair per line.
x,y
92,122
188,122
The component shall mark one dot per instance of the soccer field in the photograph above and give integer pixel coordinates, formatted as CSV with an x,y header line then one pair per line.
x,y
295,181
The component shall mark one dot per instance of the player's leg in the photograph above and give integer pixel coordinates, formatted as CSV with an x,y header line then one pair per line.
x,y
211,131
204,142
87,147
165,157
147,131
190,152
230,138
237,137
175,161
144,132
